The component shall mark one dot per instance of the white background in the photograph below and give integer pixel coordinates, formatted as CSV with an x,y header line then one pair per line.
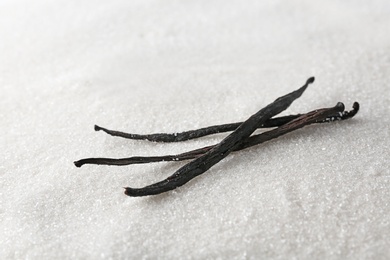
x,y
167,66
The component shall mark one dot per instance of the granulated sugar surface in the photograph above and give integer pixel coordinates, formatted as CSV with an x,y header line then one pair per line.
x,y
321,192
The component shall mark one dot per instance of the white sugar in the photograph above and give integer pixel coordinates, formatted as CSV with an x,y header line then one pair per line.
x,y
321,192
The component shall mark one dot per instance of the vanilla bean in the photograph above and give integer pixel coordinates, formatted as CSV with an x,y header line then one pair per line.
x,y
215,129
320,117
192,134
221,150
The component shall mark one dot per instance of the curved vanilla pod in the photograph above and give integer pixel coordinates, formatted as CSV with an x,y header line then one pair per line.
x,y
328,115
221,150
192,134
215,129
